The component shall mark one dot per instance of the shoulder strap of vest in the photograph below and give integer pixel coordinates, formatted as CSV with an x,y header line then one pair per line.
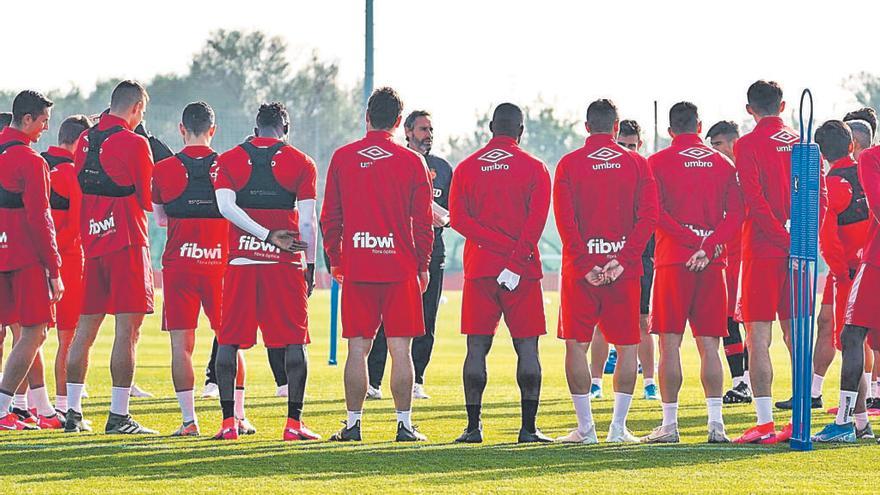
x,y
253,151
97,137
10,144
190,163
53,160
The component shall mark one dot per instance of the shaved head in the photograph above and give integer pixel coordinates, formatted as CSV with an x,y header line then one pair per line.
x,y
507,120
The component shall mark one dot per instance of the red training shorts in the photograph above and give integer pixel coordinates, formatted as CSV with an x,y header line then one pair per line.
x,y
187,292
271,297
862,308
615,308
397,305
731,274
484,302
765,290
68,308
25,297
118,282
681,296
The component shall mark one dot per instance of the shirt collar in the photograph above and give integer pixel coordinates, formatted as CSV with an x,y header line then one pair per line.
x,y
772,122
687,139
59,152
197,151
12,134
263,142
107,121
844,162
503,140
600,139
379,134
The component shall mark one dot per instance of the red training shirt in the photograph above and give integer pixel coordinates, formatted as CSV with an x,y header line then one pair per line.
x,y
376,216
62,180
701,206
27,235
605,201
869,176
840,245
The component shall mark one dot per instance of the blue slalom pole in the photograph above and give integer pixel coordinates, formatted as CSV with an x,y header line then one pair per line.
x,y
334,325
806,169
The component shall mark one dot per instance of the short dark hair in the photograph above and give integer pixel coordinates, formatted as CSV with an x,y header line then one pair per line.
x,y
272,115
834,139
126,94
630,127
601,115
765,97
198,117
5,120
861,132
29,102
723,128
384,107
71,129
410,120
683,117
507,120
867,114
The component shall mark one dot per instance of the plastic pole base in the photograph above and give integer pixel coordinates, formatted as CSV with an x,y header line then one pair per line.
x,y
801,445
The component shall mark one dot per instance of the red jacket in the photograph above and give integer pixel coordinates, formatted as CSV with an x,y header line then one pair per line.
x,y
499,201
700,201
110,224
27,234
840,245
605,201
62,180
376,216
763,162
869,176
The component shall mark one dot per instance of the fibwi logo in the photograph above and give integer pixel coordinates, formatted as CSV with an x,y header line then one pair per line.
x,y
366,240
603,246
786,138
604,154
3,238
251,243
193,251
98,227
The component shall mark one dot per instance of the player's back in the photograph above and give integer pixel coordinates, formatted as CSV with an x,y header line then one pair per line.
x,y
869,176
18,164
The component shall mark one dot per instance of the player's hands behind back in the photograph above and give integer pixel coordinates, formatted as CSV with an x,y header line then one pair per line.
x,y
286,240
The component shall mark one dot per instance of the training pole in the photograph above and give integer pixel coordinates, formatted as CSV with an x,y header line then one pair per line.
x,y
806,167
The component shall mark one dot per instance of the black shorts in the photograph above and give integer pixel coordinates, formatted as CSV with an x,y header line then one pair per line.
x,y
647,280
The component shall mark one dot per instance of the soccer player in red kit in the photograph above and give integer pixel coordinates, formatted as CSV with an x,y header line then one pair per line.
x,y
377,225
499,201
701,209
266,189
30,281
763,163
605,201
113,167
722,136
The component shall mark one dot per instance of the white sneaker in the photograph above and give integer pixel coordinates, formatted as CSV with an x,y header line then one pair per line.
x,y
211,391
373,393
419,391
139,392
617,434
281,391
575,436
663,434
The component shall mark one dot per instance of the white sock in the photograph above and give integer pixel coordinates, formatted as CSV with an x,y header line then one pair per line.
x,y
74,396
649,382
870,393
61,403
354,417
846,407
20,401
583,411
119,398
239,403
39,398
764,409
747,378
861,419
621,409
597,382
405,417
5,403
818,380
187,405
713,406
737,380
670,413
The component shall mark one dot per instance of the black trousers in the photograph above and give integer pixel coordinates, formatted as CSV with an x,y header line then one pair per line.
x,y
421,346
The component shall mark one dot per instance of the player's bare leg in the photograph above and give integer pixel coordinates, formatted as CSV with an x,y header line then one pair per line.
x,y
646,358
77,367
853,388
64,340
712,377
122,363
624,384
670,385
356,377
402,379
18,364
598,358
758,339
475,376
38,396
182,345
577,374
823,353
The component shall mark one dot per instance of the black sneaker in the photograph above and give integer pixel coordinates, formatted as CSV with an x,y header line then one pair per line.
x,y
533,437
873,402
740,394
471,436
347,434
405,435
815,403
125,425
24,415
74,422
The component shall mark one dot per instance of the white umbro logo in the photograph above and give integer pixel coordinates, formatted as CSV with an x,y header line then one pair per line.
x,y
374,153
604,154
784,136
696,152
494,156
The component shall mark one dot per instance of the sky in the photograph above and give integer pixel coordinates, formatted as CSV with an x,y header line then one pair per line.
x,y
459,58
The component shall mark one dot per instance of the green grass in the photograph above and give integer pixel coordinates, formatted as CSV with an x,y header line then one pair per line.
x,y
52,462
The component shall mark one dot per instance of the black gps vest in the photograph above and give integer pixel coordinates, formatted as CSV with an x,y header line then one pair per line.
x,y
262,191
93,179
197,200
857,210
9,199
56,201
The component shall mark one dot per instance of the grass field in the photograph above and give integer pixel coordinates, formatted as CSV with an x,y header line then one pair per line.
x,y
52,462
